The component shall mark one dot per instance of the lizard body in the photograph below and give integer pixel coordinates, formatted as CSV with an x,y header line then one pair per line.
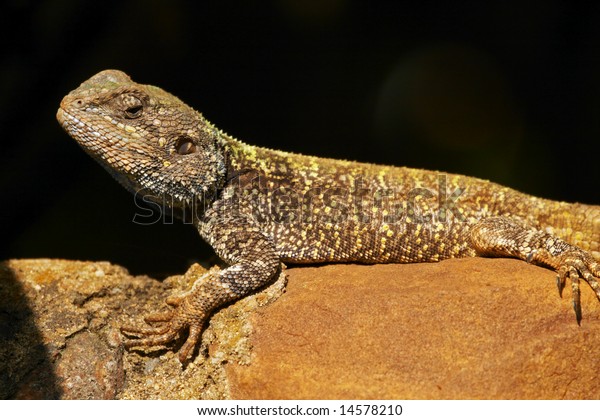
x,y
259,207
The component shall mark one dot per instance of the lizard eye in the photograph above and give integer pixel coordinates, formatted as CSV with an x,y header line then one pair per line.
x,y
133,106
185,146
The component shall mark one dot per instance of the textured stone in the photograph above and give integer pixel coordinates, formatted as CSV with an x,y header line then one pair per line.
x,y
59,325
472,328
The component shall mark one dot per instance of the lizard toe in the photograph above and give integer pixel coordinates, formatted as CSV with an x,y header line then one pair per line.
x,y
170,325
144,331
159,317
150,341
190,343
576,292
575,266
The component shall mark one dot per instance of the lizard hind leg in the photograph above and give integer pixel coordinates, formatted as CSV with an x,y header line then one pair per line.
x,y
506,237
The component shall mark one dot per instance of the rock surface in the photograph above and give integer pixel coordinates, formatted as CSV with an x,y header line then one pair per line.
x,y
59,324
460,329
472,328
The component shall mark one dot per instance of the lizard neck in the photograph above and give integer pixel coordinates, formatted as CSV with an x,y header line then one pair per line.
x,y
243,158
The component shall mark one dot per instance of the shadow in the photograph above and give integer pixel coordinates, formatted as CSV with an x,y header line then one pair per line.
x,y
26,371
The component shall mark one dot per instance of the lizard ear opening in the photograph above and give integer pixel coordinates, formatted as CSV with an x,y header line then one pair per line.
x,y
185,146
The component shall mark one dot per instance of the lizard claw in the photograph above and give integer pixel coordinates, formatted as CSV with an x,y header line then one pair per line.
x,y
560,284
575,266
174,322
188,313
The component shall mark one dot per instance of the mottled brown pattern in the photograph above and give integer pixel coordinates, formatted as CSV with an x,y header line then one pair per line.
x,y
258,207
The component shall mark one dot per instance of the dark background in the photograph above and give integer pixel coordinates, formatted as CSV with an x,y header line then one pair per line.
x,y
504,90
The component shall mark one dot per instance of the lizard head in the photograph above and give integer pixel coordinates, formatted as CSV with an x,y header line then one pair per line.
x,y
148,139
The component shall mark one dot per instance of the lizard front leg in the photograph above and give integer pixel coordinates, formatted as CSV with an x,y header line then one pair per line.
x,y
253,262
502,236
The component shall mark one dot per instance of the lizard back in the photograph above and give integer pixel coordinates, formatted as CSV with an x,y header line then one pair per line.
x,y
375,213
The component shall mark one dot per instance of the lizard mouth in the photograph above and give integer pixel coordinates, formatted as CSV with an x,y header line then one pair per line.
x,y
94,139
61,116
69,122
74,127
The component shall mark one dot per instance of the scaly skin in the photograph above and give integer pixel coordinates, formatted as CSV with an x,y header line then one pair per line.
x,y
258,207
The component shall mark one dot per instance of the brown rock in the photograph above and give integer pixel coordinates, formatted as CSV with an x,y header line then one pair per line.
x,y
472,328
59,325
59,329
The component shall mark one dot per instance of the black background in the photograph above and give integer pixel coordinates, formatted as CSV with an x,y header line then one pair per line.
x,y
504,90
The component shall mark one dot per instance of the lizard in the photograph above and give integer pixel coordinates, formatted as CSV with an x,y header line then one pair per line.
x,y
259,208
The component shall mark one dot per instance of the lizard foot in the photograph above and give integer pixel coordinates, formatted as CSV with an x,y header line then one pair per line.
x,y
575,265
173,323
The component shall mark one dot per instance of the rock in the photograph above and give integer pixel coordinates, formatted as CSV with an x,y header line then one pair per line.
x,y
59,324
460,329
472,328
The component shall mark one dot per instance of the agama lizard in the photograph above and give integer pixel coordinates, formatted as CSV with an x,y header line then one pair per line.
x,y
259,207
